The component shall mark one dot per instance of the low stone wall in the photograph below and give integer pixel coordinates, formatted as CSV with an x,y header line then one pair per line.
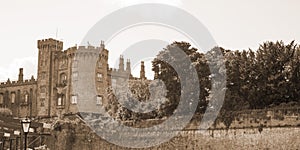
x,y
81,138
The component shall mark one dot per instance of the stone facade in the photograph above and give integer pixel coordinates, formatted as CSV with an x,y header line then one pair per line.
x,y
19,96
60,74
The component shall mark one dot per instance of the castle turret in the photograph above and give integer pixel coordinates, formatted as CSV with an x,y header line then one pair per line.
x,y
142,72
121,63
20,79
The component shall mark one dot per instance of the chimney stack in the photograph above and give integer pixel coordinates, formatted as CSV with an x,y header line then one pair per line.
x,y
21,75
142,72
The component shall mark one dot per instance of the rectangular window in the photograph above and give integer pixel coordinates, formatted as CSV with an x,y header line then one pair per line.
x,y
1,98
63,78
42,102
114,83
74,99
75,76
99,64
99,100
99,76
13,97
60,99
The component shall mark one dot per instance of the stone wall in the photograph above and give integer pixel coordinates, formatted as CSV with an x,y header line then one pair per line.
x,y
74,134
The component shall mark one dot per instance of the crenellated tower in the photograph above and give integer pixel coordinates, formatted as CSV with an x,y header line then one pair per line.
x,y
48,51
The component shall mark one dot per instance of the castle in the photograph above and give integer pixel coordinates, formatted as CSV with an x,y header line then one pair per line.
x,y
53,93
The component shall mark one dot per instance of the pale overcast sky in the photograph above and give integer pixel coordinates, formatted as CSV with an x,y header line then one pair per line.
x,y
234,24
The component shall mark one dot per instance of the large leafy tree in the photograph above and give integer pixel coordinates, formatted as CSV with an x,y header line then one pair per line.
x,y
171,79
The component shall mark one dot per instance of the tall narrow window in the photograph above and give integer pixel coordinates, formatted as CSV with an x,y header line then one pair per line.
x,y
74,99
99,100
1,98
26,98
42,102
114,83
75,64
99,64
13,97
60,100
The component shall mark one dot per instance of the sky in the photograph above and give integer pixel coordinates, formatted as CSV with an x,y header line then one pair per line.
x,y
234,24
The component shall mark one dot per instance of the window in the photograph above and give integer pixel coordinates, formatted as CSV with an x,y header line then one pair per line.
x,y
99,100
63,78
1,98
99,76
75,76
13,97
63,63
75,63
60,99
42,102
114,83
26,96
99,64
74,99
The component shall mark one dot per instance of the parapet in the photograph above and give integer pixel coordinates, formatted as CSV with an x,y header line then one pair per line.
x,y
71,50
50,42
15,83
89,50
9,83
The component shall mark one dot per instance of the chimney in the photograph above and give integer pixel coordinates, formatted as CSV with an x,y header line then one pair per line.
x,y
142,72
121,63
102,46
20,75
128,68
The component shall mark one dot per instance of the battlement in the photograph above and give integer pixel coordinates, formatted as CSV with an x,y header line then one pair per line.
x,y
50,43
70,50
89,50
20,80
9,83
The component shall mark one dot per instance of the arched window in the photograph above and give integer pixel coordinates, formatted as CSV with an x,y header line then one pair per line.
x,y
26,98
63,78
13,97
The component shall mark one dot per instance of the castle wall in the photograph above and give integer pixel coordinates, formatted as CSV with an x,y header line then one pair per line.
x,y
78,136
19,97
